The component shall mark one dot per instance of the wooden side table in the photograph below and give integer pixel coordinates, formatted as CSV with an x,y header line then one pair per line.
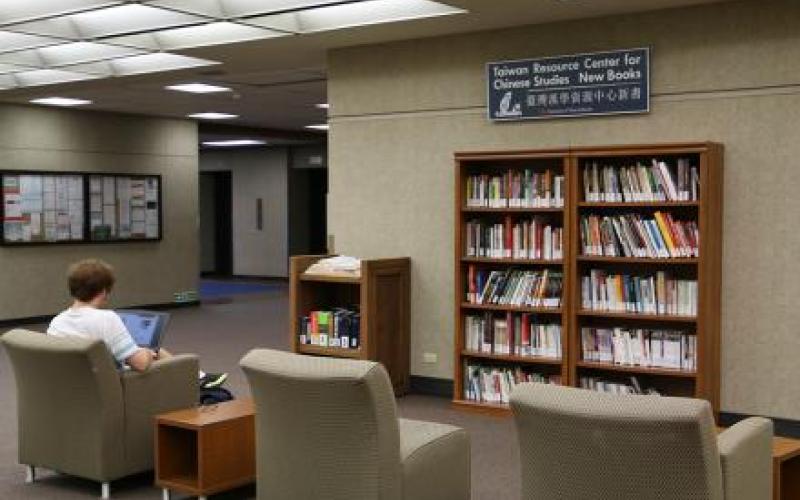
x,y
207,449
785,468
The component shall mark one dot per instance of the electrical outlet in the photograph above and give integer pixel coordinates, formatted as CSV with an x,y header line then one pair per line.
x,y
430,357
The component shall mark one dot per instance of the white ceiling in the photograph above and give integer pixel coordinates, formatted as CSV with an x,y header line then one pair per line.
x,y
112,51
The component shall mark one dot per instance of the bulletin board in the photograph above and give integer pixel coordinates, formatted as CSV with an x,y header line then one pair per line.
x,y
39,208
124,207
42,207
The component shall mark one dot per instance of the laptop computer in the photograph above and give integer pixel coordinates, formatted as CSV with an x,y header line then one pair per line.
x,y
146,327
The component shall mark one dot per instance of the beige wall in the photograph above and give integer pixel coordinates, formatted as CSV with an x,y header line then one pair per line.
x,y
727,72
32,279
256,173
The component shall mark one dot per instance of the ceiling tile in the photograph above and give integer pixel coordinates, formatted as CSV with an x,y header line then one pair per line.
x,y
26,10
48,76
196,36
355,14
81,52
237,8
17,41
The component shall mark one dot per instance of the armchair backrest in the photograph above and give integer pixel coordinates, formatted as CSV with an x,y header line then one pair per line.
x,y
325,428
69,403
576,443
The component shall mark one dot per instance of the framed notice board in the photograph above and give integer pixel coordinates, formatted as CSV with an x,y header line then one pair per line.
x,y
39,208
42,207
124,207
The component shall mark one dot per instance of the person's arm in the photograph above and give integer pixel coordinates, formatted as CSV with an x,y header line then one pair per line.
x,y
141,359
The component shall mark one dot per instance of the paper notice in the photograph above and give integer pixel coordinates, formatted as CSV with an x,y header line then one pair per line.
x,y
75,188
109,194
49,184
13,207
36,225
96,202
49,202
95,185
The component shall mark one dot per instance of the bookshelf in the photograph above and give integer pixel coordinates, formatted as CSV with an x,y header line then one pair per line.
x,y
381,294
691,313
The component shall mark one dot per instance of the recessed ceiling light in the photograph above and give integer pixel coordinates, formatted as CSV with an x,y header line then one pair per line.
x,y
212,116
234,142
322,126
323,105
60,101
197,88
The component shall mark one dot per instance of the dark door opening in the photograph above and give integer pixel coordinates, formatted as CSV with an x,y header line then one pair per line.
x,y
308,230
216,238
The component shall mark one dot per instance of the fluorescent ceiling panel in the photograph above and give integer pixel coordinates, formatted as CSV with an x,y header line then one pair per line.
x,y
49,76
151,63
321,126
7,82
60,101
118,20
26,10
10,68
196,36
355,14
81,52
17,41
234,143
198,88
212,116
238,8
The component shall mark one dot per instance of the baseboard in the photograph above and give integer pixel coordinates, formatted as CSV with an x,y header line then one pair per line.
x,y
35,320
431,386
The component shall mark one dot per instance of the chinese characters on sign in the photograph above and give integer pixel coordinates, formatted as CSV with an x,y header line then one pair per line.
x,y
577,85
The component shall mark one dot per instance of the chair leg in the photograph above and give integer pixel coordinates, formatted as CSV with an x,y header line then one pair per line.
x,y
30,474
105,490
165,494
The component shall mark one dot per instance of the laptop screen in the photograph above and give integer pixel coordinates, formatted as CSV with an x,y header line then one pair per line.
x,y
146,327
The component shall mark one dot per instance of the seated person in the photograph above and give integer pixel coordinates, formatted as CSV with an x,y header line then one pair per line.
x,y
90,283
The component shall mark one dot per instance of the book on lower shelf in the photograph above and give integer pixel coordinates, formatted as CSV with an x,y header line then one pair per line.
x,y
640,347
516,189
514,287
533,238
512,334
339,328
657,293
634,235
617,387
494,384
657,181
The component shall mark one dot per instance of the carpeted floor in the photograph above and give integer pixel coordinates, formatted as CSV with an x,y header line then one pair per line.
x,y
221,334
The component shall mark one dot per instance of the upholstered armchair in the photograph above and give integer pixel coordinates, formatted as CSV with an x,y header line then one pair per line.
x,y
579,444
78,415
328,429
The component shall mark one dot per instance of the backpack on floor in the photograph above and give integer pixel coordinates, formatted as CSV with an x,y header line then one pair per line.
x,y
214,395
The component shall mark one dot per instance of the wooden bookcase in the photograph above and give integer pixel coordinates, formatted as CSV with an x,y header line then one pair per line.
x,y
704,381
382,296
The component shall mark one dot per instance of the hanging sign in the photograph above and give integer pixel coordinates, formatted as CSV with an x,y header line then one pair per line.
x,y
600,83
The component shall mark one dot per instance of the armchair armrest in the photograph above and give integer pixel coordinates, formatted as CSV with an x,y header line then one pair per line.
x,y
168,384
745,451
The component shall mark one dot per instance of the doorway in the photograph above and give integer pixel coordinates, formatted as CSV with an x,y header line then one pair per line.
x,y
216,239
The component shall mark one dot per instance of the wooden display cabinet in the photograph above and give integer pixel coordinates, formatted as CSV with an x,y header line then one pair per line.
x,y
382,296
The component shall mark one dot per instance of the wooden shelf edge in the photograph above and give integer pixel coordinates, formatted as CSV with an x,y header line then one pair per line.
x,y
490,260
635,316
321,278
498,410
185,484
334,352
638,260
496,307
520,210
639,370
637,204
541,360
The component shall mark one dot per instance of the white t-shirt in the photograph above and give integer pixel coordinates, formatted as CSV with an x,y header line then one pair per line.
x,y
91,323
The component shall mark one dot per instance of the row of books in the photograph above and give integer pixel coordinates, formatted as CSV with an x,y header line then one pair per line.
x,y
640,347
491,384
656,182
514,287
512,334
522,239
614,387
633,235
647,294
516,189
336,328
